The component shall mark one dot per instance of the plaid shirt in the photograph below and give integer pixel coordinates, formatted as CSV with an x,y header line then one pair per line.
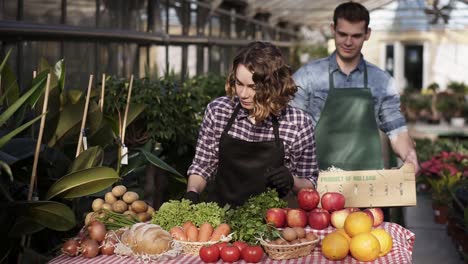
x,y
295,129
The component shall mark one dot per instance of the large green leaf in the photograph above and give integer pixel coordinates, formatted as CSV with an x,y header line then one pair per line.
x,y
25,226
134,111
163,165
9,136
10,86
70,117
92,157
38,94
84,182
50,214
5,60
59,70
4,167
53,215
16,105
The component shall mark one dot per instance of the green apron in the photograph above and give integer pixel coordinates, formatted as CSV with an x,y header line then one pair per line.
x,y
346,133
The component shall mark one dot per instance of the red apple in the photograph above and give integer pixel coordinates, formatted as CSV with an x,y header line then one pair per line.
x,y
308,199
377,215
319,218
338,218
296,218
369,213
276,216
333,201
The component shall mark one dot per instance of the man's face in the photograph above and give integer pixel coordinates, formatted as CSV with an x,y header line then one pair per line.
x,y
349,38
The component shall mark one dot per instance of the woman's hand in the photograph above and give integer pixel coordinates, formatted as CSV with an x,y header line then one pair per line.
x,y
281,179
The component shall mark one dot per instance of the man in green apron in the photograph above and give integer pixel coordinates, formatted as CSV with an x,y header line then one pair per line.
x,y
349,99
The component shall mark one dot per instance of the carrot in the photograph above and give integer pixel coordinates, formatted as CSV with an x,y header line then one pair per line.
x,y
178,233
187,224
222,229
206,229
192,233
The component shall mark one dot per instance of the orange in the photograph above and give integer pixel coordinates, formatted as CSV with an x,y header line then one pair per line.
x,y
342,232
385,240
364,247
335,246
357,222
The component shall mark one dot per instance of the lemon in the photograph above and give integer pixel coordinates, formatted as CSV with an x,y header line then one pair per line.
x,y
364,247
335,246
357,222
385,240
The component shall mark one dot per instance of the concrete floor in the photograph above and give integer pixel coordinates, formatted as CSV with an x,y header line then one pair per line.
x,y
432,244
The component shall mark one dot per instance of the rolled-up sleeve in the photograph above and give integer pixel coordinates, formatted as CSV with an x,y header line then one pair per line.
x,y
303,154
391,120
205,161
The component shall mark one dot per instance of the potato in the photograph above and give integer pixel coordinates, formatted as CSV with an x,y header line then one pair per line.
x,y
143,217
150,210
97,204
289,234
110,198
89,218
130,197
107,206
119,206
139,206
130,214
119,190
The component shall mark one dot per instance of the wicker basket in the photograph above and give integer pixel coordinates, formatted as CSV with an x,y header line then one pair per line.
x,y
193,248
289,251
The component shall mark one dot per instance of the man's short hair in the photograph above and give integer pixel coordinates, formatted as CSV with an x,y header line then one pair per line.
x,y
352,12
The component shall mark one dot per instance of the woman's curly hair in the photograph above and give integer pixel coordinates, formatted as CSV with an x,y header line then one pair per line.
x,y
274,86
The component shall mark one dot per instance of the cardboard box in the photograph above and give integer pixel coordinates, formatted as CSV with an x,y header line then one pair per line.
x,y
372,188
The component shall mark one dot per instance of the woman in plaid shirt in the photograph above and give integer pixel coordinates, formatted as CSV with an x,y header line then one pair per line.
x,y
252,139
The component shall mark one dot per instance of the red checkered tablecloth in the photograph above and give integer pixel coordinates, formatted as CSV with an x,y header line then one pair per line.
x,y
403,241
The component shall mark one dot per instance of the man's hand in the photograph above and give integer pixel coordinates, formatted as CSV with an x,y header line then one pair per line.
x,y
194,197
281,179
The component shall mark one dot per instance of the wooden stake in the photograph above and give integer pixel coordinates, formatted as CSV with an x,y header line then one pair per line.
x,y
39,140
34,74
126,109
101,103
85,114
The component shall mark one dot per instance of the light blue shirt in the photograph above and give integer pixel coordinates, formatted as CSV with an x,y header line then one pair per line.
x,y
313,83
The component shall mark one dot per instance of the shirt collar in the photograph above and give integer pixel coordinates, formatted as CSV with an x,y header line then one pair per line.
x,y
334,64
268,122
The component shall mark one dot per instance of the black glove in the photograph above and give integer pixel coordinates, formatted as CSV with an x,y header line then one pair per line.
x,y
192,196
281,179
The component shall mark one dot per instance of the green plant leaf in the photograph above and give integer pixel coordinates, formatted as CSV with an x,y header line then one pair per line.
x,y
92,157
16,105
25,226
10,86
53,215
38,94
59,70
9,136
49,214
84,182
70,117
163,165
134,111
4,166
5,60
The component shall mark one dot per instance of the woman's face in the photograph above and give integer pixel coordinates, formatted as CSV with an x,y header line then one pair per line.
x,y
245,87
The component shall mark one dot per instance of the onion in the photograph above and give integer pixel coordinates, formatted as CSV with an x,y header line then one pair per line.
x,y
70,248
97,231
107,246
89,248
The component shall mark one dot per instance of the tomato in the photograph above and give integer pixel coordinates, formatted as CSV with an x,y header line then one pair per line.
x,y
220,245
209,254
240,245
252,254
230,253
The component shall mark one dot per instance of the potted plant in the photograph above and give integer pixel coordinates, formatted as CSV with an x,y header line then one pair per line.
x,y
443,172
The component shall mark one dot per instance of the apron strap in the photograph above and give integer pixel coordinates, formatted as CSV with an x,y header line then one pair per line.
x,y
231,120
276,130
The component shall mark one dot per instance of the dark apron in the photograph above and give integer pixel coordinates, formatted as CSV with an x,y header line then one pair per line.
x,y
346,133
242,166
